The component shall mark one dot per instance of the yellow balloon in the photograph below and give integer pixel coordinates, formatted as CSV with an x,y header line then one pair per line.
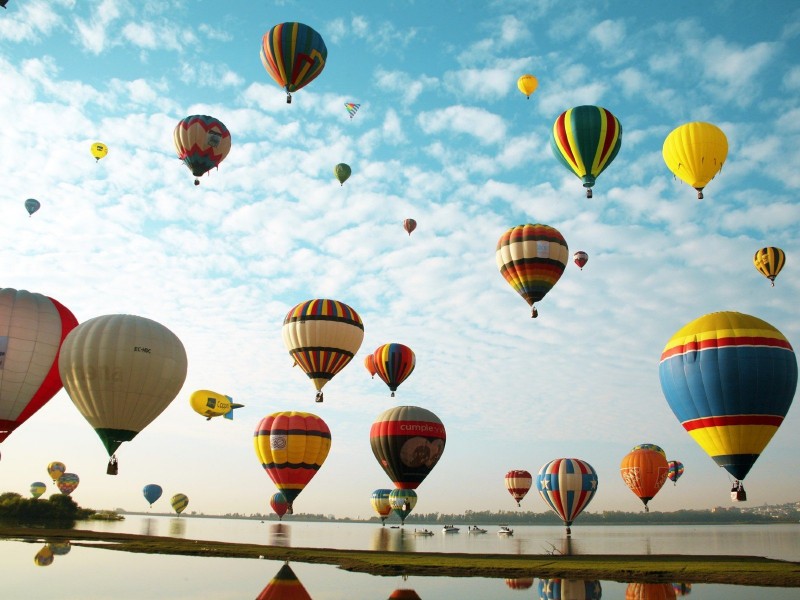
x,y
99,150
695,153
211,404
527,84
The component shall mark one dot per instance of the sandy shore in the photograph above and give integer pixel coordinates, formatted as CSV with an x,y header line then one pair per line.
x,y
739,570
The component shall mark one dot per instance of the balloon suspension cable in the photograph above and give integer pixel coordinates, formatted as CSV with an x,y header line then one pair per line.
x,y
588,192
318,397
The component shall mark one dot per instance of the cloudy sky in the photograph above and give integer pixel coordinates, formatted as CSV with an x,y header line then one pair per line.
x,y
443,136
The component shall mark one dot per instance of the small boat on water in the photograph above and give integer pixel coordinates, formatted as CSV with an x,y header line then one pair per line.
x,y
450,529
423,532
504,530
476,529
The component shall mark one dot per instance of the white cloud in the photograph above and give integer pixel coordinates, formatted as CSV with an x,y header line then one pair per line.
x,y
608,34
93,33
486,127
31,21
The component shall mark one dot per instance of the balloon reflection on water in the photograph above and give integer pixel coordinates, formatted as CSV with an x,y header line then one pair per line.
x,y
177,527
649,591
572,589
520,583
404,594
60,548
44,557
284,586
280,535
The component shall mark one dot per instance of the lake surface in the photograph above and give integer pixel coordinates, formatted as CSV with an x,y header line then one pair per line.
x,y
73,571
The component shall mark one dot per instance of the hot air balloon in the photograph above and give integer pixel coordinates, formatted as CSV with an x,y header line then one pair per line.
x,y
352,108
409,225
322,336
55,470
44,557
279,504
284,586
152,492
531,258
518,482
586,139
342,172
675,470
294,55
37,489
519,583
649,591
567,485
407,441
394,363
695,153
60,548
99,150
381,504
769,262
369,364
121,372
32,205
33,327
655,447
67,483
179,502
730,379
211,404
202,142
580,258
570,589
527,84
291,447
682,589
403,502
644,472
404,594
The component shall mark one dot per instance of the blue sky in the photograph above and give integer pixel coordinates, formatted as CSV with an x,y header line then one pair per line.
x,y
443,136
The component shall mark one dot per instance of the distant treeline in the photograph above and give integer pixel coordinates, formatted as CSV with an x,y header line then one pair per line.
x,y
58,507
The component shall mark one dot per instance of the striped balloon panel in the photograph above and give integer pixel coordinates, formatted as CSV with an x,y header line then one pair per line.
x,y
569,589
518,482
532,258
291,447
675,470
67,483
381,503
394,363
179,502
407,442
284,586
201,142
644,472
293,54
730,379
322,336
567,485
585,139
769,262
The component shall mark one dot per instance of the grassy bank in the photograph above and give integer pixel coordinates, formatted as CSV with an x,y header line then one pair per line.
x,y
738,570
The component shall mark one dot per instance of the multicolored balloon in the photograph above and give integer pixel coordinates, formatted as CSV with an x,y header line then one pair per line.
x,y
37,489
695,153
567,485
201,142
152,492
67,483
769,262
381,503
32,205
99,150
644,471
322,336
519,583
527,84
407,442
291,447
532,258
294,55
179,502
352,108
284,586
409,225
121,372
279,504
518,482
403,502
580,258
342,172
675,470
730,379
586,139
56,469
34,328
394,363
572,589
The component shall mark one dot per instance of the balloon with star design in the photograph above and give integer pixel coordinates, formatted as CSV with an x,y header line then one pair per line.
x,y
567,485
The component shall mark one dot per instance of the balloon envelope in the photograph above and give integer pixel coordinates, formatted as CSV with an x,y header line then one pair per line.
x,y
33,328
570,589
37,489
121,372
675,470
284,586
55,469
518,482
381,503
99,150
409,225
179,502
32,205
291,447
580,258
294,55
567,485
769,262
730,379
201,142
655,447
394,363
403,502
644,471
407,442
67,483
369,364
527,84
211,404
342,172
322,336
152,492
352,108
278,504
695,153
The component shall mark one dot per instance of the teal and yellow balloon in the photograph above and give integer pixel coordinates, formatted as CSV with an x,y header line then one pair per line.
x,y
402,503
342,172
769,262
294,55
586,139
381,503
695,153
37,489
179,502
730,379
532,258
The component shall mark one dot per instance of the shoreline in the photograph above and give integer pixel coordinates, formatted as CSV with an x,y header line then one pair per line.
x,y
734,570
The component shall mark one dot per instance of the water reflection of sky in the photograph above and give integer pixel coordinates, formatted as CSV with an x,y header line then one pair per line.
x,y
91,573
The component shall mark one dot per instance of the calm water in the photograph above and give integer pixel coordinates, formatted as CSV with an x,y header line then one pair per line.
x,y
89,573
